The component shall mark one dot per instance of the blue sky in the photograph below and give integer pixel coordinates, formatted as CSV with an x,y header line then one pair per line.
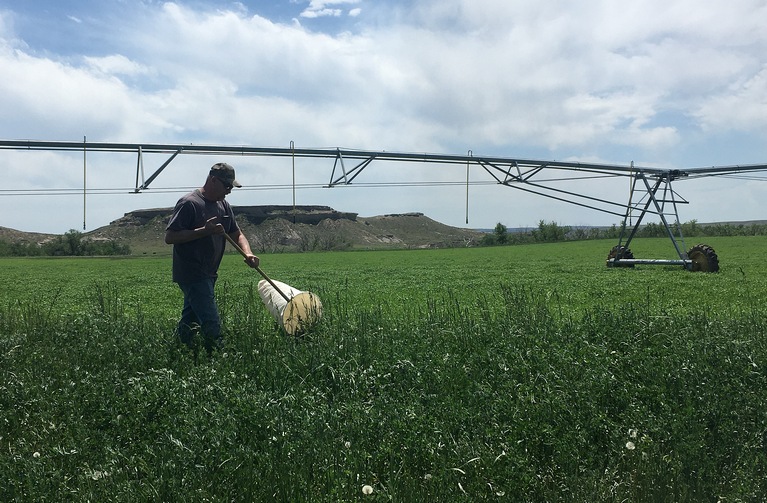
x,y
673,84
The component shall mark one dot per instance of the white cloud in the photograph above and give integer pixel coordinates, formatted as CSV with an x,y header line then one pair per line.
x,y
314,13
558,78
8,36
650,82
116,65
741,106
320,8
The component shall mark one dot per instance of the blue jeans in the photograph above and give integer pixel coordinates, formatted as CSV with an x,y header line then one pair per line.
x,y
200,309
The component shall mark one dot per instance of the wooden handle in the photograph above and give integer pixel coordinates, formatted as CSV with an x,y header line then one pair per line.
x,y
262,273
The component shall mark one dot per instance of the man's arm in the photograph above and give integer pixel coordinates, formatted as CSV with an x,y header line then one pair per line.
x,y
239,238
185,235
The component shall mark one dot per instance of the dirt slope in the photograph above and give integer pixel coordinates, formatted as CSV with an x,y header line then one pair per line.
x,y
280,228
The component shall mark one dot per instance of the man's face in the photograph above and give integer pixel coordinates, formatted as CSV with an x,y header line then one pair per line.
x,y
222,188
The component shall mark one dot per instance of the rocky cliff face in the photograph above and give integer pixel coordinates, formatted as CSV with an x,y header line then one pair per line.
x,y
303,228
255,215
309,215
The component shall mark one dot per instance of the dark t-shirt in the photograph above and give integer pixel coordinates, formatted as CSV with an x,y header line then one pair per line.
x,y
199,259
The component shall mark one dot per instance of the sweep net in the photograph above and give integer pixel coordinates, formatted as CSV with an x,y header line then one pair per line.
x,y
295,316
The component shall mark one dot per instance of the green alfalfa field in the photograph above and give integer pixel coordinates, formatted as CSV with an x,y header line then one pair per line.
x,y
520,373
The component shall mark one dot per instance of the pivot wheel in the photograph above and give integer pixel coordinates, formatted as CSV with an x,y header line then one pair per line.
x,y
619,252
703,258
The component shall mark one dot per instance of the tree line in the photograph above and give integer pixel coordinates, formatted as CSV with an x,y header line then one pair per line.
x,y
549,232
74,243
71,244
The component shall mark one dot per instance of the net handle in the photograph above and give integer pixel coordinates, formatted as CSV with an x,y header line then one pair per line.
x,y
262,273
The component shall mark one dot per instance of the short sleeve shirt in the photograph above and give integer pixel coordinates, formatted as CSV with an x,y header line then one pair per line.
x,y
199,259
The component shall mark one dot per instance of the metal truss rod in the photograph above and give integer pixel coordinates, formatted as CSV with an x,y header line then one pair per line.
x,y
149,180
562,199
644,211
539,189
630,208
345,176
637,261
662,215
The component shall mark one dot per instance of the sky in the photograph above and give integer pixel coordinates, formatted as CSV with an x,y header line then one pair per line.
x,y
667,84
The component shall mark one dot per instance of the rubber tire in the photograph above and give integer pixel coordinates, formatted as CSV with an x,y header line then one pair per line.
x,y
619,252
704,259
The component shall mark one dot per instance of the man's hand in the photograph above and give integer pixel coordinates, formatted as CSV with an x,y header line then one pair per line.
x,y
238,239
212,226
252,260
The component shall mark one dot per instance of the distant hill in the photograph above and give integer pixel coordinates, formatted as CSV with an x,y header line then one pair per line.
x,y
14,236
280,228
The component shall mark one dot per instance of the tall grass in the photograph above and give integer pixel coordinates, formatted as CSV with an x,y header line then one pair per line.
x,y
507,389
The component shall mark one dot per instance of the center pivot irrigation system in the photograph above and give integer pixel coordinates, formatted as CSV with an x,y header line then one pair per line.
x,y
650,193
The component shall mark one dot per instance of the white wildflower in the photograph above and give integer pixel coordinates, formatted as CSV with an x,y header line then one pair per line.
x,y
366,489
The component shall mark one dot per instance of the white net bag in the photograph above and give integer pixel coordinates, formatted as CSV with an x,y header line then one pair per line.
x,y
296,315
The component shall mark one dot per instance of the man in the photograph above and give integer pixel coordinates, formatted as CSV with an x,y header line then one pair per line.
x,y
196,230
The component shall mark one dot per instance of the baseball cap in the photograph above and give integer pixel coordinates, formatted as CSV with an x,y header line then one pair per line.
x,y
225,173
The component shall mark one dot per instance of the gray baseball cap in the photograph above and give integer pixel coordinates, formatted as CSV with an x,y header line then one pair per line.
x,y
225,173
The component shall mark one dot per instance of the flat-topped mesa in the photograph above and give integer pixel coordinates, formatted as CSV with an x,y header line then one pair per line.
x,y
310,215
